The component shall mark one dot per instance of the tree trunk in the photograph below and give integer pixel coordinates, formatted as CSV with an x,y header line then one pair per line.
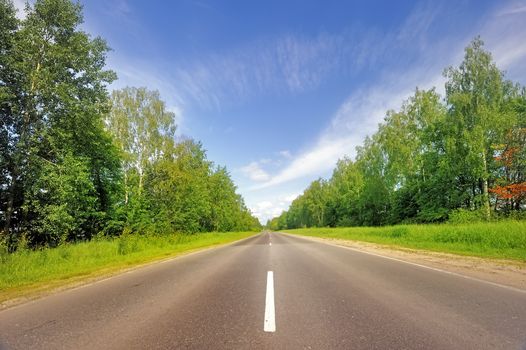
x,y
485,194
9,209
126,187
140,181
22,143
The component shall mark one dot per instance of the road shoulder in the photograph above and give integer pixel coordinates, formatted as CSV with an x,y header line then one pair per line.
x,y
505,272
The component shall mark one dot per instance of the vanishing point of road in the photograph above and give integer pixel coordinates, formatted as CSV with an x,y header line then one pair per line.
x,y
274,291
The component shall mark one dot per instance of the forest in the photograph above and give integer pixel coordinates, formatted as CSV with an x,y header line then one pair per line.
x,y
458,158
77,162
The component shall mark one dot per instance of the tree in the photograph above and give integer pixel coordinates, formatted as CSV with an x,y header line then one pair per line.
x,y
476,93
346,185
510,176
143,129
224,202
169,185
8,188
53,80
176,188
62,201
375,197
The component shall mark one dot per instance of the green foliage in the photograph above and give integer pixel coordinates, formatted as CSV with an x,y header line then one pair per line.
x,y
433,160
63,203
464,216
59,178
169,186
504,239
27,270
75,163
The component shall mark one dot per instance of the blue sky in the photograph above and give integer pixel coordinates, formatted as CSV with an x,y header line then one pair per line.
x,y
278,91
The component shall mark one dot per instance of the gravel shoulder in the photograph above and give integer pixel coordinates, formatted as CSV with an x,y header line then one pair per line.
x,y
506,272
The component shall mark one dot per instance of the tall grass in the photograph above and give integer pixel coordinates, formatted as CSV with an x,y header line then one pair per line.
x,y
503,239
28,270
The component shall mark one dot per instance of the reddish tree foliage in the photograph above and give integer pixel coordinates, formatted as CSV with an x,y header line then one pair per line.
x,y
515,192
510,187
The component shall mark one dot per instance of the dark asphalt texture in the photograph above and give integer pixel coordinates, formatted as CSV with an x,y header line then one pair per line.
x,y
326,297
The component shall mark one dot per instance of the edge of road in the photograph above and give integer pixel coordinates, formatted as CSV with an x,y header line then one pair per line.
x,y
106,274
487,271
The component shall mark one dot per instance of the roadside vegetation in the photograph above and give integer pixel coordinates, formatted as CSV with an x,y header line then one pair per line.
x,y
29,271
77,163
501,240
459,158
92,182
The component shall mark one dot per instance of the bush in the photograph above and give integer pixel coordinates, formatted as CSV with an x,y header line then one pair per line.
x,y
464,216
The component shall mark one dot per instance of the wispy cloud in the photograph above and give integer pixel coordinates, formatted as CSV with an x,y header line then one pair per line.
x,y
512,9
359,115
285,154
504,34
415,29
142,74
120,10
254,172
319,159
361,112
287,64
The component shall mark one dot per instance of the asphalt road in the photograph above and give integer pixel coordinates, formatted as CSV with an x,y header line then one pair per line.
x,y
318,296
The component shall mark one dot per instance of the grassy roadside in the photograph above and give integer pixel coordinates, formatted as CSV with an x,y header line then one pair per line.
x,y
502,240
30,272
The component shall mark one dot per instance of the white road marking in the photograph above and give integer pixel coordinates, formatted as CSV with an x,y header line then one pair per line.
x,y
270,312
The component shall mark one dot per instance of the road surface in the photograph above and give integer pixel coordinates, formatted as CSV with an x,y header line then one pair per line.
x,y
274,291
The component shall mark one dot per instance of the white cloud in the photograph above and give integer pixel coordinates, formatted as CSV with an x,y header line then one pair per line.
x,y
264,205
356,118
360,114
286,64
285,154
290,197
366,106
321,158
272,206
254,172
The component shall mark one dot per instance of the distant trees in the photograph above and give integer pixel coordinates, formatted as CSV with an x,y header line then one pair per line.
x,y
431,158
75,163
169,185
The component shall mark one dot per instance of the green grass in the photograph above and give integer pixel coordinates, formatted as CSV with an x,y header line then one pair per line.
x,y
27,272
502,240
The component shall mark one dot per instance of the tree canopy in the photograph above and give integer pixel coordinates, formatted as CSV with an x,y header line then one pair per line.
x,y
434,159
76,162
